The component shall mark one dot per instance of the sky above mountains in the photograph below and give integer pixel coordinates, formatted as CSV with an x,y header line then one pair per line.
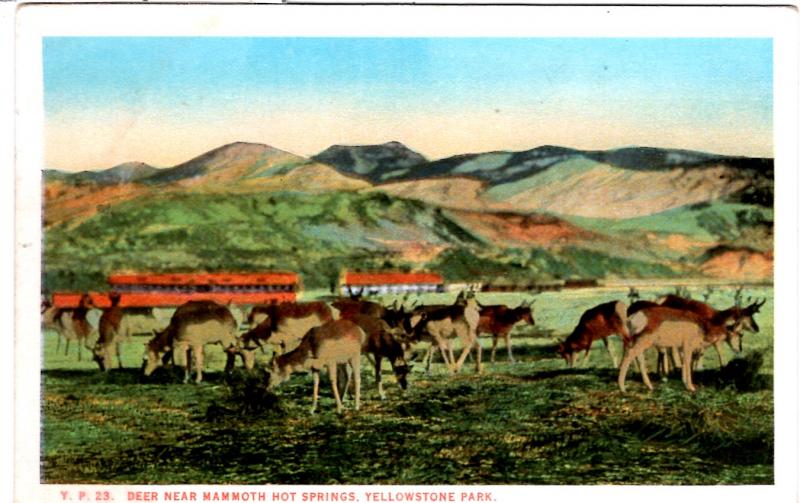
x,y
110,100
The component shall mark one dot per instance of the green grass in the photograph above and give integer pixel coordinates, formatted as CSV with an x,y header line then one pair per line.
x,y
706,222
534,422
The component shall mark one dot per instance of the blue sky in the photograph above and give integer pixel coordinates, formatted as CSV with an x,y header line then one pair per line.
x,y
163,100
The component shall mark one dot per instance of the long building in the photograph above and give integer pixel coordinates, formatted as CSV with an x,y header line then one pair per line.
x,y
389,282
174,289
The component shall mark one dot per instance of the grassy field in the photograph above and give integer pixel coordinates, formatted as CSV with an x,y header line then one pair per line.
x,y
533,422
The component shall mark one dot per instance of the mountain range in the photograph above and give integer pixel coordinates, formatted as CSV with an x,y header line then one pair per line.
x,y
669,208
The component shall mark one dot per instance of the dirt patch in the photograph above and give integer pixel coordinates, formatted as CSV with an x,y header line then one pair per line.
x,y
682,244
740,264
413,251
64,202
513,229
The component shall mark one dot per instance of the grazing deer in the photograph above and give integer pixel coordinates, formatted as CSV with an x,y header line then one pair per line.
x,y
383,341
665,328
733,339
599,322
192,326
281,325
335,342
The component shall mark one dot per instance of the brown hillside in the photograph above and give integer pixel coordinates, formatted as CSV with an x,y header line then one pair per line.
x,y
740,264
449,192
65,202
310,177
513,229
609,192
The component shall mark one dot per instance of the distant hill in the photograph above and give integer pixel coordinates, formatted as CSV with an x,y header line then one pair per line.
x,y
228,163
501,167
546,212
376,163
122,173
232,167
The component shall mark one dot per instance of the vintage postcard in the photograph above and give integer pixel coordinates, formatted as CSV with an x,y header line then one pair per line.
x,y
384,254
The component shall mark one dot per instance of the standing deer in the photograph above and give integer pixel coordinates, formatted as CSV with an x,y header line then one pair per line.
x,y
333,343
70,323
114,329
666,328
499,320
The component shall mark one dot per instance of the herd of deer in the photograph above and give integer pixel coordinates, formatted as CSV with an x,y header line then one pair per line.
x,y
314,335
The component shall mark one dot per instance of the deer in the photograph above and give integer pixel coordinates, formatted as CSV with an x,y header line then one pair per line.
x,y
281,325
442,323
70,323
665,328
114,329
599,322
383,341
733,339
498,320
192,326
328,345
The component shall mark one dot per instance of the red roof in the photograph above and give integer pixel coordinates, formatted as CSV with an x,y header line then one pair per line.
x,y
391,278
169,299
243,279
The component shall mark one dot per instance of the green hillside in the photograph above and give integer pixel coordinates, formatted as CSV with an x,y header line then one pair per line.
x,y
315,235
715,222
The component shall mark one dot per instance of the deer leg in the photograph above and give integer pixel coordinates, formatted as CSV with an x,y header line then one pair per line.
x,y
355,363
623,368
494,346
450,354
507,337
119,355
478,356
332,371
378,381
718,347
198,361
468,343
428,358
230,361
571,362
342,376
676,357
608,348
585,356
697,363
441,343
663,364
687,367
643,367
186,370
315,392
